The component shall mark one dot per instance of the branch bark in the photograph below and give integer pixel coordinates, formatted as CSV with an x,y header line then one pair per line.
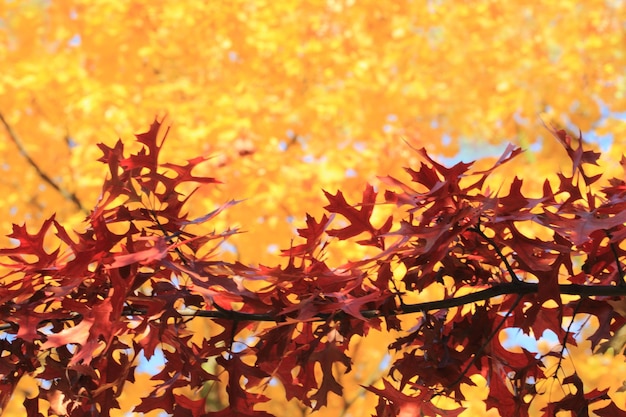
x,y
509,288
68,195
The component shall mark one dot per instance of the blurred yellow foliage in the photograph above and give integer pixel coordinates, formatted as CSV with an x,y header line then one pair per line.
x,y
290,97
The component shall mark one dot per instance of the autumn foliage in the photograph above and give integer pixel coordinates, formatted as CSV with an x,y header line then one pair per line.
x,y
81,309
321,92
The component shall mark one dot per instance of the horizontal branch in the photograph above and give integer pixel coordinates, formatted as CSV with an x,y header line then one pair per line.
x,y
514,288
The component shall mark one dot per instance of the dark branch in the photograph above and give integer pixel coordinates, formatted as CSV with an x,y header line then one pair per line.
x,y
521,288
68,195
509,288
514,278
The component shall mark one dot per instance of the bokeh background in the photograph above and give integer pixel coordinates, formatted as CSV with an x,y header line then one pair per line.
x,y
292,97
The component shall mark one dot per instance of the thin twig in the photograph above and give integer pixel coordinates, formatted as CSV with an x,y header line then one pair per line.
x,y
567,332
493,334
167,236
514,277
68,195
620,271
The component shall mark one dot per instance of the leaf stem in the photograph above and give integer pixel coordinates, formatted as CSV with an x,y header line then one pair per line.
x,y
514,277
567,332
620,270
493,334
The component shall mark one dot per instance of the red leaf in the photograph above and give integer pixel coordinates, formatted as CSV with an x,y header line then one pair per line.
x,y
580,228
354,305
95,325
327,358
312,233
153,253
577,156
578,402
502,398
407,405
242,401
31,244
611,410
28,322
359,218
197,407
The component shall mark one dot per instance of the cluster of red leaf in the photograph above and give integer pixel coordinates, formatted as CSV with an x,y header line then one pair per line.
x,y
78,317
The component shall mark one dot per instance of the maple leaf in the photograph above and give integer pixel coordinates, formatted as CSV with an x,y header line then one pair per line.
x,y
405,405
359,218
28,323
131,280
354,305
96,323
431,179
327,358
577,156
197,406
241,401
516,206
577,402
31,244
610,410
604,313
312,233
155,252
503,399
582,227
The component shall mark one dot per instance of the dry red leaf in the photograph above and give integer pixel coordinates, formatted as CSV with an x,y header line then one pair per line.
x,y
77,316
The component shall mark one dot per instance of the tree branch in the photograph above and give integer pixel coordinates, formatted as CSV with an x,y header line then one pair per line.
x,y
68,195
514,277
509,288
493,334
